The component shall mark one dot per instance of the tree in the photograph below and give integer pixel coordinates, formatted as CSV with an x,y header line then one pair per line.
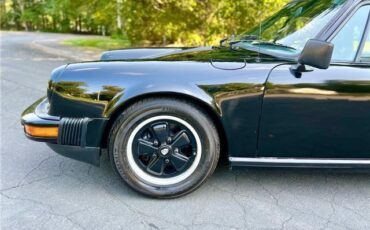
x,y
193,22
144,22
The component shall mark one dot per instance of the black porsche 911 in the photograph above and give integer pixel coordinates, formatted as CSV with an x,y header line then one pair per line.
x,y
294,91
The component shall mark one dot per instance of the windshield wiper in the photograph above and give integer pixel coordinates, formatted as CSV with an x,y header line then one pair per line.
x,y
249,37
273,44
246,38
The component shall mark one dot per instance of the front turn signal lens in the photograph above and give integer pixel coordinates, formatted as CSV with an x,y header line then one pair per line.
x,y
39,131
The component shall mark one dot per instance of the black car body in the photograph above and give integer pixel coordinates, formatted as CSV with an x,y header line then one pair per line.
x,y
264,113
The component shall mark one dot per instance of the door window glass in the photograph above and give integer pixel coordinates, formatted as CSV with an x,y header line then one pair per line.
x,y
365,53
347,41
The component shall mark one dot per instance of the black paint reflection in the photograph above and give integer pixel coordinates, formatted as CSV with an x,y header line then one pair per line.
x,y
325,114
240,105
78,97
332,88
218,54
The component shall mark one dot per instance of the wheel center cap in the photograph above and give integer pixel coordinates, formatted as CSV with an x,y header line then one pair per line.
x,y
165,151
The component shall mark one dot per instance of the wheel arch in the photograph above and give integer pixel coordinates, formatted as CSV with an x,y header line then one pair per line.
x,y
209,109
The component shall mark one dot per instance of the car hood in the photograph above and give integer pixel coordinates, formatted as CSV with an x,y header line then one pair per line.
x,y
140,53
200,54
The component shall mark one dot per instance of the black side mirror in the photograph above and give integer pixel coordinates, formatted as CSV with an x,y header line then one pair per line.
x,y
316,53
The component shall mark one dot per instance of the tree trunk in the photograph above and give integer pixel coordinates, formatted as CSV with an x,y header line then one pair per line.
x,y
103,30
43,22
119,19
79,23
54,23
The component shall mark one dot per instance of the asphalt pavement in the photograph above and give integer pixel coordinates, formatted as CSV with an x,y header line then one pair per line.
x,y
43,190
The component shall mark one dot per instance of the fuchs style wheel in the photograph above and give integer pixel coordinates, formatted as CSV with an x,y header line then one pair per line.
x,y
164,147
163,150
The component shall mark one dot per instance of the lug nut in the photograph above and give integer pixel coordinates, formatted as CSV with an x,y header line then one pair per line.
x,y
169,140
176,150
154,155
156,143
167,161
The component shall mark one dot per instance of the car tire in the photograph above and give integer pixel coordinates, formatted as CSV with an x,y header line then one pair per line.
x,y
163,147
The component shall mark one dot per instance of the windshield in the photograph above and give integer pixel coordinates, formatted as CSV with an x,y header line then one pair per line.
x,y
290,29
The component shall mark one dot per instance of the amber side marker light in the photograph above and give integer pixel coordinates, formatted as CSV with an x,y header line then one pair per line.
x,y
37,131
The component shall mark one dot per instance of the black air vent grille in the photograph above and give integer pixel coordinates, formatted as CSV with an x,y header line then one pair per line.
x,y
71,131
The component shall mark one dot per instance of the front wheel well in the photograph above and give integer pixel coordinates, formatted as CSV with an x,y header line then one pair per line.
x,y
204,106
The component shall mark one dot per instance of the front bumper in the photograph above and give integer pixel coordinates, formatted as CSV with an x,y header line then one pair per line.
x,y
76,138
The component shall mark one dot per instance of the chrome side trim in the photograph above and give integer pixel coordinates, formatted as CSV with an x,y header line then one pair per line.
x,y
272,160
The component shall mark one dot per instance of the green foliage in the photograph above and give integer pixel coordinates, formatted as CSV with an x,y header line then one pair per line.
x,y
100,43
144,22
193,22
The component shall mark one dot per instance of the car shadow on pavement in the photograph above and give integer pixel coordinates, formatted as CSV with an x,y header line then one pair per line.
x,y
242,179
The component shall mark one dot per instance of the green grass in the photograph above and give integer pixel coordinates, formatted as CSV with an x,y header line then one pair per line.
x,y
99,43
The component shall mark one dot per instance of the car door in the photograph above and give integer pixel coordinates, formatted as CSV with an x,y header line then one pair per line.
x,y
325,113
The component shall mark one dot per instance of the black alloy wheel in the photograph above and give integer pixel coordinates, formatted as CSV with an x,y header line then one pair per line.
x,y
164,147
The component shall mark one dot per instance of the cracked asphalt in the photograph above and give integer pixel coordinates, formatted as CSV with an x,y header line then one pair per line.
x,y
42,190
